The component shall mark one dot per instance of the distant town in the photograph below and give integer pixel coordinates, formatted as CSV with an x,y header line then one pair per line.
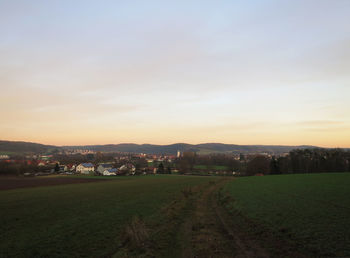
x,y
89,162
85,161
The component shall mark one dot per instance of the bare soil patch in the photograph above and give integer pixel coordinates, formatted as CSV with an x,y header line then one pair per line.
x,y
212,236
8,183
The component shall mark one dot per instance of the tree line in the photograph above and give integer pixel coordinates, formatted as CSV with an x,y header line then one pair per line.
x,y
312,161
296,161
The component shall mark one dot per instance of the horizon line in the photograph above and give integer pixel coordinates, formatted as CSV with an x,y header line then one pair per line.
x,y
84,145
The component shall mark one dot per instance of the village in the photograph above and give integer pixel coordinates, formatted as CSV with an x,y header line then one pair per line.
x,y
90,163
98,163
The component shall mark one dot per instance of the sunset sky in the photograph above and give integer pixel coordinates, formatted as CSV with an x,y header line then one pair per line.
x,y
240,72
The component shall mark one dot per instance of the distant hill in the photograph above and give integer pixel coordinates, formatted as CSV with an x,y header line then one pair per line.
x,y
135,148
204,148
24,147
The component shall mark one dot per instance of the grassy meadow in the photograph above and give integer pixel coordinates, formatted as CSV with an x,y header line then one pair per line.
x,y
216,167
157,216
86,220
311,210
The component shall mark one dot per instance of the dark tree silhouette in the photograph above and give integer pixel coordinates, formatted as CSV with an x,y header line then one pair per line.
x,y
274,169
160,168
259,164
57,168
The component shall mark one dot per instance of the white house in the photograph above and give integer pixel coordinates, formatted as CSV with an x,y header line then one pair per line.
x,y
110,172
63,168
102,167
85,168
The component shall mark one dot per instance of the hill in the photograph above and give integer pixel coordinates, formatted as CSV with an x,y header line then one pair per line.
x,y
171,149
204,148
24,147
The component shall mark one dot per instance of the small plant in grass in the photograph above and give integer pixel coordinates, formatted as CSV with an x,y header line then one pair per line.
x,y
136,234
211,182
224,198
187,192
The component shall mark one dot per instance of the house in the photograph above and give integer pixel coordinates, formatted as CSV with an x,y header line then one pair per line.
x,y
102,167
127,169
110,172
151,170
63,168
71,167
85,168
41,163
46,157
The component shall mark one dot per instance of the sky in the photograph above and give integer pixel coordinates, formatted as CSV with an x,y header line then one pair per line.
x,y
161,72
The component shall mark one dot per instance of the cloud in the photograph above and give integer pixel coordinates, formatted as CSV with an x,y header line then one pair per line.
x,y
320,123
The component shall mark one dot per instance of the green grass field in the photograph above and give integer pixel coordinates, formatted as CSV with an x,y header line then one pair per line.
x,y
311,210
310,213
210,167
84,220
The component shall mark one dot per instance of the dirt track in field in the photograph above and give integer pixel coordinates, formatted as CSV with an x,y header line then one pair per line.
x,y
213,232
212,236
8,183
198,225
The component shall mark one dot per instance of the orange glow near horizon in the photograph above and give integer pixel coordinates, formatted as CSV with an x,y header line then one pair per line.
x,y
229,72
168,136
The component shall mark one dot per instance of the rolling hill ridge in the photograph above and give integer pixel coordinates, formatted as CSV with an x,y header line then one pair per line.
x,y
204,148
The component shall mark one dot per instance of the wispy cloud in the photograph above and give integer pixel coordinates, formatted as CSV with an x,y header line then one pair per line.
x,y
320,123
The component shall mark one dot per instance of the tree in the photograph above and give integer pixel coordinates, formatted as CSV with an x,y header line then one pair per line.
x,y
184,166
241,157
259,164
99,157
90,157
274,169
160,168
233,165
190,157
55,151
283,164
57,168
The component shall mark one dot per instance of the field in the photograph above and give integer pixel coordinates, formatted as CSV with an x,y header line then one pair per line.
x,y
210,167
311,212
20,182
176,216
86,219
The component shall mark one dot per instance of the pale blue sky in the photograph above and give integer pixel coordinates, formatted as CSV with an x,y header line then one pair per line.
x,y
247,72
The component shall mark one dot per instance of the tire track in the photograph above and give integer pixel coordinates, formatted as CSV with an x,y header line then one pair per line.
x,y
211,235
